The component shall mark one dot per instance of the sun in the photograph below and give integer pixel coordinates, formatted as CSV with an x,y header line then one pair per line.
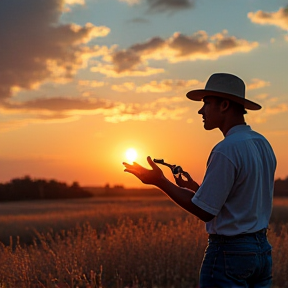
x,y
131,154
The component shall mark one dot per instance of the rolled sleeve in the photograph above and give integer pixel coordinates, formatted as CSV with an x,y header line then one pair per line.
x,y
217,184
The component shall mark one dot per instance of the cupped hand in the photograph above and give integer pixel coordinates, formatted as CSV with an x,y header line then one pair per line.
x,y
147,176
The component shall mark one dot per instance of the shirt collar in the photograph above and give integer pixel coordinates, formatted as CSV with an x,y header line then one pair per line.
x,y
238,128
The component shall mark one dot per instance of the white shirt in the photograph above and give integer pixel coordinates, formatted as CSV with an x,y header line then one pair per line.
x,y
238,184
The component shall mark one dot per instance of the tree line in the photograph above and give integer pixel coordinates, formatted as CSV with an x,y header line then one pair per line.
x,y
281,187
32,189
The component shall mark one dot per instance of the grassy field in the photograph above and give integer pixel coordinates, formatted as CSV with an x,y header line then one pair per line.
x,y
113,242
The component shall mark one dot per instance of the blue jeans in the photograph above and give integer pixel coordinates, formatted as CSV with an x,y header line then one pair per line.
x,y
237,261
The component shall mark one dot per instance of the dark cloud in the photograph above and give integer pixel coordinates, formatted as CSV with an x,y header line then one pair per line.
x,y
125,60
134,61
128,59
138,20
60,104
187,45
35,47
169,5
148,46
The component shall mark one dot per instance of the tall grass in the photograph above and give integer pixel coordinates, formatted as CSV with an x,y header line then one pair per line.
x,y
144,244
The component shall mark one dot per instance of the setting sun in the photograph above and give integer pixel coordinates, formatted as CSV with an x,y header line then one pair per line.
x,y
131,154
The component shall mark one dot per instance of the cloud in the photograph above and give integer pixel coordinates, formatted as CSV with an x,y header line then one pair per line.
x,y
276,109
50,110
271,106
91,83
58,104
128,59
36,48
12,124
131,2
162,86
163,5
257,83
169,5
134,61
68,3
278,18
262,96
166,85
138,20
124,87
141,70
161,109
72,2
55,110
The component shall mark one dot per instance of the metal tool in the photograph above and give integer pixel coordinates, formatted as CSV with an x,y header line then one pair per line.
x,y
174,168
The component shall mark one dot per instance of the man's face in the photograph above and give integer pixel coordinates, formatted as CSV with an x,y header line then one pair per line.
x,y
211,113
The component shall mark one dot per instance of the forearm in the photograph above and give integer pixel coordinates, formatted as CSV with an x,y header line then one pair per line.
x,y
183,198
191,185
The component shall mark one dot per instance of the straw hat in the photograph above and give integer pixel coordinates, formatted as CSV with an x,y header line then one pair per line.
x,y
226,86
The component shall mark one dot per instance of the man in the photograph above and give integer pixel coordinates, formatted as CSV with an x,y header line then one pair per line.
x,y
235,197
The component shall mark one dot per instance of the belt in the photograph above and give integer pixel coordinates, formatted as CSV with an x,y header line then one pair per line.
x,y
224,237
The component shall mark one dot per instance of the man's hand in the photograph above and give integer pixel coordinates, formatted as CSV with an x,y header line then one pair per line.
x,y
180,196
189,183
147,176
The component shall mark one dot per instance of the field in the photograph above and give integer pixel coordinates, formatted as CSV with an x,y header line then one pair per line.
x,y
113,242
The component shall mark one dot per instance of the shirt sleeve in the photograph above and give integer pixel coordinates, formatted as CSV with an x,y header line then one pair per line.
x,y
217,184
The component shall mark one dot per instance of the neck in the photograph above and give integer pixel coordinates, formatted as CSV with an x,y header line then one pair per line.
x,y
228,125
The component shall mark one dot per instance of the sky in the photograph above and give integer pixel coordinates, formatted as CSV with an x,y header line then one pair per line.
x,y
81,81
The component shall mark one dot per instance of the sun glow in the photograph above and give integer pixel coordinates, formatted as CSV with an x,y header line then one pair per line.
x,y
131,155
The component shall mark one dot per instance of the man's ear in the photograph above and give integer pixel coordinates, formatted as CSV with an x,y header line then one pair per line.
x,y
225,105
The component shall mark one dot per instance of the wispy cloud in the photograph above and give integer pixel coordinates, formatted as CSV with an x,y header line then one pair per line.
x,y
157,86
54,110
138,20
50,110
257,84
59,105
278,18
91,83
139,70
271,106
36,47
134,61
124,87
131,2
276,109
160,109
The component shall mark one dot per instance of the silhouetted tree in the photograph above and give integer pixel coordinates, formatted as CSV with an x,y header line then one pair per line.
x,y
281,187
28,189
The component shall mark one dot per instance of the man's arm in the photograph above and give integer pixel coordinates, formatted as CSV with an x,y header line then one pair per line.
x,y
181,196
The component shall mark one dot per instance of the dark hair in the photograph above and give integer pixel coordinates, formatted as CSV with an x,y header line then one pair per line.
x,y
236,106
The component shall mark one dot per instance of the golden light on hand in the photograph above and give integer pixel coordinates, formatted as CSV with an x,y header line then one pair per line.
x,y
131,155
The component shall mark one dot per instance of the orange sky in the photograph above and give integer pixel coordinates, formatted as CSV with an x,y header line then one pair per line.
x,y
82,81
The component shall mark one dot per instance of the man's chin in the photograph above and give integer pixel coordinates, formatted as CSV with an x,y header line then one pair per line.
x,y
207,127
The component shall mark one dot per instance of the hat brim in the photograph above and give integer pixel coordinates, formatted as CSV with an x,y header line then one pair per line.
x,y
198,95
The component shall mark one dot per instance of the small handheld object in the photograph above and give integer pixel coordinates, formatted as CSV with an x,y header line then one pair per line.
x,y
174,168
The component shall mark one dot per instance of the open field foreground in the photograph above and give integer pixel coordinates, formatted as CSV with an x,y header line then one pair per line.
x,y
115,242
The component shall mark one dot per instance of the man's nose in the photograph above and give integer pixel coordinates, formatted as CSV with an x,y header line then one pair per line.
x,y
200,111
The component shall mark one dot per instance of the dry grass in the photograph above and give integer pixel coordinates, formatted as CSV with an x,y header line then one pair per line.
x,y
115,243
